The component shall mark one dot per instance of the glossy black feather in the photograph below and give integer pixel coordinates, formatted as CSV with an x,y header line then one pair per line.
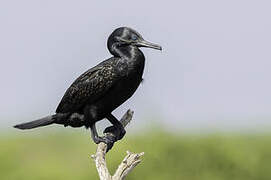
x,y
92,85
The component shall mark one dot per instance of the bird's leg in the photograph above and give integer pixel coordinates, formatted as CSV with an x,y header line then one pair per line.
x,y
94,135
97,139
90,119
89,115
117,127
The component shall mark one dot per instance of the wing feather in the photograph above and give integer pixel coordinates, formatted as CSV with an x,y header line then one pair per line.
x,y
89,87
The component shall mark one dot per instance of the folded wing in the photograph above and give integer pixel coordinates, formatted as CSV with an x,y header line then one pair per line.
x,y
89,87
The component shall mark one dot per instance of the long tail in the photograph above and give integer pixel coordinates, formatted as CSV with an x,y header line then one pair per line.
x,y
37,123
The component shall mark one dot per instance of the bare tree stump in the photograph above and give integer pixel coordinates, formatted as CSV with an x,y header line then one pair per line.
x,y
127,165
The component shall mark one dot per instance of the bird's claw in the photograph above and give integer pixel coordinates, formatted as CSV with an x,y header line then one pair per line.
x,y
117,132
109,140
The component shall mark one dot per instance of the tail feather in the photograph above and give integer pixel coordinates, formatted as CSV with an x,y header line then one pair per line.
x,y
37,123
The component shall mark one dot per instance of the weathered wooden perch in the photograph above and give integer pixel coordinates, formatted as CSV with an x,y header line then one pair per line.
x,y
128,163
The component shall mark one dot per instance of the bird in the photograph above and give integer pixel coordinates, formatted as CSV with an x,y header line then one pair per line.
x,y
103,88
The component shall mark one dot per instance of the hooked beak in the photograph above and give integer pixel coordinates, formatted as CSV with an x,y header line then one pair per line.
x,y
143,43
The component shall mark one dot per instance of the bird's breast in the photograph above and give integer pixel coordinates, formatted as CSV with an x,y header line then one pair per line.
x,y
129,77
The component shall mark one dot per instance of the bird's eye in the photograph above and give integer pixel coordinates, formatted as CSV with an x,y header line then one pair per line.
x,y
134,37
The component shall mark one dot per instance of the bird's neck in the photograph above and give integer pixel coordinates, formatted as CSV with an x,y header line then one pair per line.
x,y
134,57
127,52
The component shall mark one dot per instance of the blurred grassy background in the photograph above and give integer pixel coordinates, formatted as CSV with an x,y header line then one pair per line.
x,y
66,155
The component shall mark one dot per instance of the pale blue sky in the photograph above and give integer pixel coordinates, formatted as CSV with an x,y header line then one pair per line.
x,y
213,73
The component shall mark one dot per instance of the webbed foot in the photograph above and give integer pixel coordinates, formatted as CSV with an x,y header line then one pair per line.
x,y
108,140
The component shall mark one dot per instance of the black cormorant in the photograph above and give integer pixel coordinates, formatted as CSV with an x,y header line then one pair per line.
x,y
101,89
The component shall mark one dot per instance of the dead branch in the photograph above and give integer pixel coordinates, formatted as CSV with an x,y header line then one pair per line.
x,y
127,165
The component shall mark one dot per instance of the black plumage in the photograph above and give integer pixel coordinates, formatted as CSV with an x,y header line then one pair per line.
x,y
101,89
90,86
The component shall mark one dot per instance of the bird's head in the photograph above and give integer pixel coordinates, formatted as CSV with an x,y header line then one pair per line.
x,y
124,36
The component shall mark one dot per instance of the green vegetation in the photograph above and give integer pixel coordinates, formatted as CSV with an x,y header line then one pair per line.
x,y
58,155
